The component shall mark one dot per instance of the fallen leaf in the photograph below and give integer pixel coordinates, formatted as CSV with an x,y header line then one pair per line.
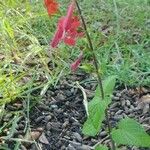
x,y
145,99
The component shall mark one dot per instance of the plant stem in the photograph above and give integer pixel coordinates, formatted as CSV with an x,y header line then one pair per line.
x,y
92,50
97,72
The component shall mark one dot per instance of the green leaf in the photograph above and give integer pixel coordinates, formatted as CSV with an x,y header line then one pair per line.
x,y
97,108
131,133
87,68
101,147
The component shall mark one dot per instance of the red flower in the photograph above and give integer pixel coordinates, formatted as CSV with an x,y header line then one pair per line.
x,y
52,6
67,28
75,65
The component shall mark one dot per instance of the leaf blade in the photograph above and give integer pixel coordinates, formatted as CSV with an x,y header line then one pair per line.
x,y
131,133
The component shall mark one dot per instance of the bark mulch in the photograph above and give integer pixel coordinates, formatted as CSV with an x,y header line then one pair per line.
x,y
56,121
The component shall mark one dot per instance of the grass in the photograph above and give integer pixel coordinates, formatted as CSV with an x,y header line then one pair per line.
x,y
119,30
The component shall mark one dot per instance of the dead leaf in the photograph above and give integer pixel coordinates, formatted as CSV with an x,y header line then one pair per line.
x,y
43,139
145,99
34,135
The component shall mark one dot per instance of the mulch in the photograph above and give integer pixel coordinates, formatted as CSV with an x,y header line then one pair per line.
x,y
56,121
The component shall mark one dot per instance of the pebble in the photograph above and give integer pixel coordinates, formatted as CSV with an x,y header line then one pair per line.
x,y
123,103
146,109
68,93
48,118
23,147
65,124
48,126
39,119
118,94
43,107
131,115
126,110
115,98
114,105
21,126
77,136
130,110
70,147
117,117
132,107
60,97
103,134
119,112
128,103
54,106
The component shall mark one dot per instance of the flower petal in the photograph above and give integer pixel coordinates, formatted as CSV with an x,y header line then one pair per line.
x,y
52,6
57,37
69,41
67,22
76,64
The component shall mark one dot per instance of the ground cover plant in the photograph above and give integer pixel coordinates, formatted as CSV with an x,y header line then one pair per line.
x,y
118,41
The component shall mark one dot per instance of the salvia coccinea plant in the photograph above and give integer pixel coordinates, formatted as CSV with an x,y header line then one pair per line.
x,y
128,131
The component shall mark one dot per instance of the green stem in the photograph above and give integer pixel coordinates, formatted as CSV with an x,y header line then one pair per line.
x,y
92,50
97,72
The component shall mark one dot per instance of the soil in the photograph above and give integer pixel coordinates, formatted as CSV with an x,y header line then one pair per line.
x,y
56,121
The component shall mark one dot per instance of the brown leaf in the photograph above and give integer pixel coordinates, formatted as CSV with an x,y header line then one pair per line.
x,y
145,99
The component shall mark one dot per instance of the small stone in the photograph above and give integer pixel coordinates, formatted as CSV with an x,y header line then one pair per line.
x,y
72,90
146,109
126,110
117,117
124,115
43,107
115,98
123,103
132,107
48,118
70,147
130,110
119,112
118,95
39,119
65,124
23,147
77,136
128,103
54,106
131,115
68,93
114,105
48,126
63,147
21,126
103,134
76,124
60,97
